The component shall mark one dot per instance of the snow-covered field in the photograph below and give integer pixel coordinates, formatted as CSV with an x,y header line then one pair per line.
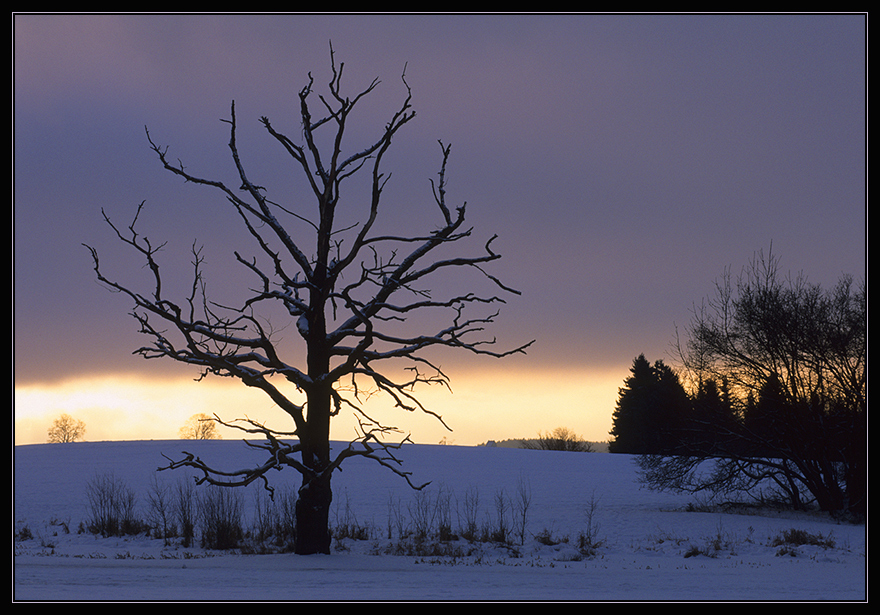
x,y
650,547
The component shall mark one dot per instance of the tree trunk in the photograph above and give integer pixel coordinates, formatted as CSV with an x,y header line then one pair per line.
x,y
313,517
315,494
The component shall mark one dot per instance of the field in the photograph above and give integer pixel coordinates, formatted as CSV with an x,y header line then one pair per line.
x,y
579,527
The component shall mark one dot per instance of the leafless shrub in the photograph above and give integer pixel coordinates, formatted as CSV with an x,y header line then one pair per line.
x,y
347,525
560,439
161,512
112,507
521,505
185,510
588,539
469,513
220,513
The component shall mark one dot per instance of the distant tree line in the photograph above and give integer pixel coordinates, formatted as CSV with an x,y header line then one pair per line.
x,y
560,439
776,396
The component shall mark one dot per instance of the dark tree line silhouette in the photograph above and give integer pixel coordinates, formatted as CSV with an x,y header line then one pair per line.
x,y
771,399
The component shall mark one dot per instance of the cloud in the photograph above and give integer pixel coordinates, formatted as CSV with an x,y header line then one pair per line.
x,y
624,161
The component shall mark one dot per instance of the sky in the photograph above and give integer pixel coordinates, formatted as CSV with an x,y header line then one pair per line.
x,y
625,162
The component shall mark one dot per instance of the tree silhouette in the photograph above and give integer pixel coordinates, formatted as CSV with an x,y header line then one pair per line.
x,y
199,427
66,429
713,418
560,439
793,358
650,411
348,297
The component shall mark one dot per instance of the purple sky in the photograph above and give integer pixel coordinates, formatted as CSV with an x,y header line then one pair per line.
x,y
624,161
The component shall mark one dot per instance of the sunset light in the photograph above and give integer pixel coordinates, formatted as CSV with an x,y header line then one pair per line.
x,y
470,286
624,163
478,408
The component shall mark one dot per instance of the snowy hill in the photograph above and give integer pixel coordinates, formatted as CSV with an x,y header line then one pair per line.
x,y
646,545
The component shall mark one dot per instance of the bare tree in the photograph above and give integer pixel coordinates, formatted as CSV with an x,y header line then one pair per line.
x,y
66,429
794,360
560,439
349,299
200,427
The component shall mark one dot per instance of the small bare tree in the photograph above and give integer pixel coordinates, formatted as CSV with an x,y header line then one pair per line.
x,y
200,427
349,297
560,439
66,429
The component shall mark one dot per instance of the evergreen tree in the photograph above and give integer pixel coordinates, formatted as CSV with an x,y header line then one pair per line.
x,y
651,410
627,422
765,416
712,425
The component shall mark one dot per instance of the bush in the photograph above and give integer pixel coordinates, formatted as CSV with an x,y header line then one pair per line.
x,y
220,515
347,525
797,538
560,439
185,510
112,507
24,534
160,510
275,519
588,541
468,514
501,530
547,538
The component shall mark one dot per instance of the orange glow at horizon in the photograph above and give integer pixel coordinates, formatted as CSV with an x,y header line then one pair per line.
x,y
496,405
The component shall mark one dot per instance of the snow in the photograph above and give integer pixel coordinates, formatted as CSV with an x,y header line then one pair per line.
x,y
647,540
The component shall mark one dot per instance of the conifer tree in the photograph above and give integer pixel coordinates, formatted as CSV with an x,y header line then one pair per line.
x,y
651,409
